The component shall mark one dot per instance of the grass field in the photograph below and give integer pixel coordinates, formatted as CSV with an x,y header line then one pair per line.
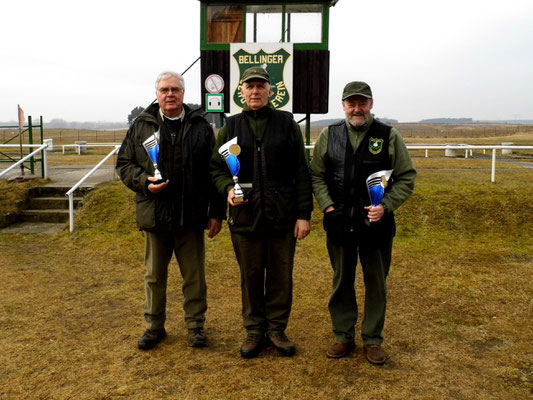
x,y
458,325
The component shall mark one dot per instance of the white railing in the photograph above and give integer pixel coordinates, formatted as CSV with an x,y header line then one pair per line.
x,y
41,147
79,146
70,193
466,147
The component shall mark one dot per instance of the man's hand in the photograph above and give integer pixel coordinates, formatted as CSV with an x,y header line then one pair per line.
x,y
302,229
375,213
329,209
213,227
156,188
231,196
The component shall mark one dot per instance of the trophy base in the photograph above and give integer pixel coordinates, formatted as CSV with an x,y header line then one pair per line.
x,y
238,200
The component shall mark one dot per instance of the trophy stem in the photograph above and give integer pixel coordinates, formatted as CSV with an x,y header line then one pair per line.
x,y
237,191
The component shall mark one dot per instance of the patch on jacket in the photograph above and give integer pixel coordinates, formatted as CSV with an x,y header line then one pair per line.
x,y
375,145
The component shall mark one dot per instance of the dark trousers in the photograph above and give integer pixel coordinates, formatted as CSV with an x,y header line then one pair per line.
x,y
375,261
188,246
266,262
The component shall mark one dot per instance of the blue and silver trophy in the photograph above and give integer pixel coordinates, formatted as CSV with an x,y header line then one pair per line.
x,y
151,146
376,184
229,151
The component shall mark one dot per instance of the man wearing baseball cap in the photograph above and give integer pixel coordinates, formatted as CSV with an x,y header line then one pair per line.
x,y
277,210
345,154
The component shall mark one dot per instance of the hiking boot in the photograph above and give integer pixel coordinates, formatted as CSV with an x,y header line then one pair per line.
x,y
252,345
282,343
375,354
151,338
197,337
340,349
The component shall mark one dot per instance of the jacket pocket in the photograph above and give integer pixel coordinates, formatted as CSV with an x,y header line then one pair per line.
x,y
280,207
241,215
334,223
145,212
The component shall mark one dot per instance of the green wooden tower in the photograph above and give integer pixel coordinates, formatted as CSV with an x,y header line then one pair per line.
x,y
303,25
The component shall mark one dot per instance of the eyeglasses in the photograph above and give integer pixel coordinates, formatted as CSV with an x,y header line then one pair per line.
x,y
166,90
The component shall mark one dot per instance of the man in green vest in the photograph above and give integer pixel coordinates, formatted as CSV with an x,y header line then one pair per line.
x,y
345,154
173,209
275,213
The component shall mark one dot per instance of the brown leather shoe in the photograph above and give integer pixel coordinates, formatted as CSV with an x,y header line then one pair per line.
x,y
197,337
339,349
252,345
151,338
282,343
375,354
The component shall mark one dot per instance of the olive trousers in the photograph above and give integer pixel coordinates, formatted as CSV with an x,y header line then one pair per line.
x,y
266,263
375,261
188,246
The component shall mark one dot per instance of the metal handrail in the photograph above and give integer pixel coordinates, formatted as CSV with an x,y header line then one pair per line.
x,y
465,147
70,193
42,148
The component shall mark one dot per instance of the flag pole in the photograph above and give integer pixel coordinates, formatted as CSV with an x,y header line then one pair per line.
x,y
21,124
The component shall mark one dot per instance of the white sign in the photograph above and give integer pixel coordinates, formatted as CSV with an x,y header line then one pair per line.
x,y
214,102
214,83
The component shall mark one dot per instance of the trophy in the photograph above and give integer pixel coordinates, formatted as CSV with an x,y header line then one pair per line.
x,y
152,148
230,150
376,184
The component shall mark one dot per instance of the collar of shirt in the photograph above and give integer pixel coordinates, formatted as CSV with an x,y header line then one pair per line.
x,y
180,117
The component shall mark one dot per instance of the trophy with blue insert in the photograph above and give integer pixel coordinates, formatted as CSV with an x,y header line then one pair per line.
x,y
376,184
151,146
229,151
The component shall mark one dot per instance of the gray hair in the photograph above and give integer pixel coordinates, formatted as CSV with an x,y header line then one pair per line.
x,y
167,75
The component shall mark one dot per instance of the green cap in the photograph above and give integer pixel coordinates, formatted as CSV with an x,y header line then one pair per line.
x,y
255,73
356,89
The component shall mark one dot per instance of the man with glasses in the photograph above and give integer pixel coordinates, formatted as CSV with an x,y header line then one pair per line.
x,y
173,211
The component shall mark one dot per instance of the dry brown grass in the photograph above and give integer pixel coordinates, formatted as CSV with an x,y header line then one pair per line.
x,y
459,317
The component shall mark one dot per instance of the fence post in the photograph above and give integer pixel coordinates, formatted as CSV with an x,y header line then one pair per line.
x,y
493,166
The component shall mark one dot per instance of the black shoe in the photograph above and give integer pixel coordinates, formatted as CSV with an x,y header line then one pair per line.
x,y
151,338
197,337
282,343
252,345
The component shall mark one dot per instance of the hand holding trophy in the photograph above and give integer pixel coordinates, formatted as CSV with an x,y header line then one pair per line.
x,y
152,148
230,150
376,184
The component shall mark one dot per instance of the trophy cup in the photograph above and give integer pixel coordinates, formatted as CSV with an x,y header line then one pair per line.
x,y
152,148
230,150
376,184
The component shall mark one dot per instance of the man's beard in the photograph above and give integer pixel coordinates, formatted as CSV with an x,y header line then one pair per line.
x,y
361,120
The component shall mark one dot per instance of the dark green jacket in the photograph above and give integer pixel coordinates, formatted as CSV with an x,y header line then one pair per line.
x,y
281,189
198,199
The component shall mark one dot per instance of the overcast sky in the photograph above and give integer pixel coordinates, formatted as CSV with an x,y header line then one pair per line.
x,y
97,60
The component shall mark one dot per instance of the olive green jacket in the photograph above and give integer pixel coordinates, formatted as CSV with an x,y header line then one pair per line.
x,y
403,175
302,188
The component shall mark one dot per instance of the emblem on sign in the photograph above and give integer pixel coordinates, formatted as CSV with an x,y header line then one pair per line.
x,y
274,63
375,145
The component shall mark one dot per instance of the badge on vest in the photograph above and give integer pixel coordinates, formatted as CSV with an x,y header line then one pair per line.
x,y
375,145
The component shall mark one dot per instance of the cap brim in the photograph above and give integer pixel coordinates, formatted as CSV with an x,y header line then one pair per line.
x,y
356,94
256,77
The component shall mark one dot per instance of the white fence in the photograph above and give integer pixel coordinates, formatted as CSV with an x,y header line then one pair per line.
x,y
467,149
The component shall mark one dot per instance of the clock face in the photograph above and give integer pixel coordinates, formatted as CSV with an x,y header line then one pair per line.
x,y
214,83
